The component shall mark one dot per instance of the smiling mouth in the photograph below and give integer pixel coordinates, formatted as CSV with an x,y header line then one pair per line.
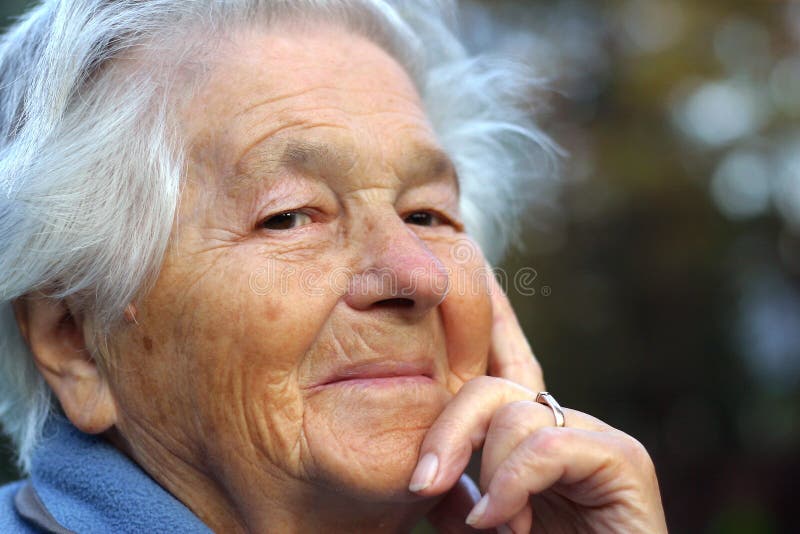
x,y
384,374
379,380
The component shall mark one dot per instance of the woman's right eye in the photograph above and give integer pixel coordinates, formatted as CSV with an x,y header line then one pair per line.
x,y
286,221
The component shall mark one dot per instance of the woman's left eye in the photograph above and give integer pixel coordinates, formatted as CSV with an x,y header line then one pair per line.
x,y
286,220
425,218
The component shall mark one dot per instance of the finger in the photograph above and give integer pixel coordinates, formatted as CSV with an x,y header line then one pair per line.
x,y
523,521
509,426
510,355
546,457
449,514
512,423
460,429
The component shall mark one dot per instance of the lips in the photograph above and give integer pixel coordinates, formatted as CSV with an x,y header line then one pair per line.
x,y
386,372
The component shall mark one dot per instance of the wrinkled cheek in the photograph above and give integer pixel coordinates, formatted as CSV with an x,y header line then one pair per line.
x,y
248,360
227,357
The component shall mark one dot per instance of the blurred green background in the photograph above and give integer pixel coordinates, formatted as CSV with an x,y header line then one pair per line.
x,y
668,262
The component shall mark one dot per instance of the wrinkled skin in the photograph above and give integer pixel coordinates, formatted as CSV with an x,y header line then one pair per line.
x,y
223,384
225,361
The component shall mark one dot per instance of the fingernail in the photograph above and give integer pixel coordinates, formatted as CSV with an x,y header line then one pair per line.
x,y
477,512
504,529
424,473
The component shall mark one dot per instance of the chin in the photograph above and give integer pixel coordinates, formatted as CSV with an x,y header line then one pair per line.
x,y
370,448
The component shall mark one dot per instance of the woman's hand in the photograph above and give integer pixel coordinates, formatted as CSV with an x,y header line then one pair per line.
x,y
586,477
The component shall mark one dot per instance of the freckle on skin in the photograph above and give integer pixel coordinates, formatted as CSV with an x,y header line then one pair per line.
x,y
272,311
148,344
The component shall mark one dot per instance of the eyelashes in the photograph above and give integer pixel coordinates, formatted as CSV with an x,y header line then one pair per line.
x,y
287,220
292,219
427,218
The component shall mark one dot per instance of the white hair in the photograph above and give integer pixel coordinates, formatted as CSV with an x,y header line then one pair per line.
x,y
91,164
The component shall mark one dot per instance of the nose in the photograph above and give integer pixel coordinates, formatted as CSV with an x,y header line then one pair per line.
x,y
398,272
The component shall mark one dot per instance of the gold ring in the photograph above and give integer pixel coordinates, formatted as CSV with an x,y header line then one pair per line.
x,y
544,397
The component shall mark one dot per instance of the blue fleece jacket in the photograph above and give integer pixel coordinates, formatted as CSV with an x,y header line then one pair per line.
x,y
88,486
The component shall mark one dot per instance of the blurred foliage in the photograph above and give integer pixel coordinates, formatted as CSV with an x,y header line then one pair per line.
x,y
669,273
669,270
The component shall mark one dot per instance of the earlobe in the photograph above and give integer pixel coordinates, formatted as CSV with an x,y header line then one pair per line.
x,y
56,340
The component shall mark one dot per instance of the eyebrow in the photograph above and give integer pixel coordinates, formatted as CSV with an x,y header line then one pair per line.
x,y
424,162
314,157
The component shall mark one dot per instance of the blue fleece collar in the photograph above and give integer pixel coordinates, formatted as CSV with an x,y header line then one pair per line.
x,y
91,487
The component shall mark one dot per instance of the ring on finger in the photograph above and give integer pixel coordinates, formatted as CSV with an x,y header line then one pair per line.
x,y
548,400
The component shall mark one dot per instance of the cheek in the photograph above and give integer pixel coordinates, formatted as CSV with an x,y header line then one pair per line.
x,y
466,311
227,359
249,348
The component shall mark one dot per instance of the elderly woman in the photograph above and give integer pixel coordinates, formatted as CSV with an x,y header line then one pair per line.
x,y
238,292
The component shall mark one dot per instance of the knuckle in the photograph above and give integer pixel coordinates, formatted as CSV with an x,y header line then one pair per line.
x,y
513,417
546,441
635,454
640,455
513,410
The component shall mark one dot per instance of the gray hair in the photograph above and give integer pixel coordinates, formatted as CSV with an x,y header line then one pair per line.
x,y
91,164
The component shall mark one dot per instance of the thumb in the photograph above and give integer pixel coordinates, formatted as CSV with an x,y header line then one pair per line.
x,y
449,515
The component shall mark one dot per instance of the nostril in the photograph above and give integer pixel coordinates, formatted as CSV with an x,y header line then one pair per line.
x,y
395,303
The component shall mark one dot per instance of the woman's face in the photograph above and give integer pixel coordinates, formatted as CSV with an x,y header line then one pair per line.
x,y
317,309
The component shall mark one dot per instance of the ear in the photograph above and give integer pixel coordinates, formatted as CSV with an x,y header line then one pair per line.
x,y
56,339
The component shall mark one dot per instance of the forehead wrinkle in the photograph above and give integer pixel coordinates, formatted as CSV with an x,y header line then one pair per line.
x,y
311,92
271,100
274,150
